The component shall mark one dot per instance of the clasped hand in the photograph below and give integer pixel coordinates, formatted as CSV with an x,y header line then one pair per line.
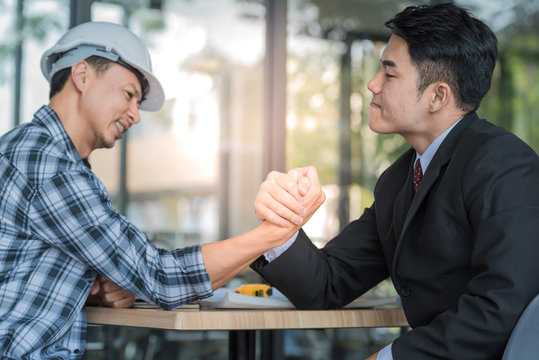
x,y
290,199
105,292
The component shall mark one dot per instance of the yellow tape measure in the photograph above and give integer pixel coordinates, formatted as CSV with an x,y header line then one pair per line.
x,y
260,290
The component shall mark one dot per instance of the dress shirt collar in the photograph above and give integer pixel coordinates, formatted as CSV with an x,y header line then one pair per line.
x,y
427,156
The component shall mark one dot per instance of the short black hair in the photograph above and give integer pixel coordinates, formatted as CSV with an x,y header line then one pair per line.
x,y
59,79
448,44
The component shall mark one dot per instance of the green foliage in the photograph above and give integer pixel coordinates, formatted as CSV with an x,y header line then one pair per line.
x,y
312,104
513,101
35,26
5,51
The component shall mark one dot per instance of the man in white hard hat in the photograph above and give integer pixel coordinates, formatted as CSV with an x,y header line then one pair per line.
x,y
59,233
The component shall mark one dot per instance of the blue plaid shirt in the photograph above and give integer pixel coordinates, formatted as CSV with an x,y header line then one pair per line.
x,y
57,231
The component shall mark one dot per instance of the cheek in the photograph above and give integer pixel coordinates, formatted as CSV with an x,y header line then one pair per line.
x,y
109,101
396,99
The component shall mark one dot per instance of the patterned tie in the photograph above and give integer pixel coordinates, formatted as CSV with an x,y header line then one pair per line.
x,y
418,175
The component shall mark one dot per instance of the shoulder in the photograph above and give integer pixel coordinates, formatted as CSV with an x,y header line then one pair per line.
x,y
484,144
483,133
35,152
498,171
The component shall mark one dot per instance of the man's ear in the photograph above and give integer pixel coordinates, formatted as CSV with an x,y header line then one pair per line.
x,y
441,95
79,75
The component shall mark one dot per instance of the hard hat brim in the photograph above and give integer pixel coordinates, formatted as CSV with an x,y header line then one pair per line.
x,y
155,98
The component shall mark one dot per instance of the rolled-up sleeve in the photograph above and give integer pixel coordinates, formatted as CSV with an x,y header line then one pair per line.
x,y
72,211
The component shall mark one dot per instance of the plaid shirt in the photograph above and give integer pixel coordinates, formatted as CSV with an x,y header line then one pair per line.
x,y
57,231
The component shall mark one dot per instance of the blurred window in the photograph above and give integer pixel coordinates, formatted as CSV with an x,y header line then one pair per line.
x,y
194,167
22,44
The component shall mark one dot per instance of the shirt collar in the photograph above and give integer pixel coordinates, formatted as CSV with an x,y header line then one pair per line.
x,y
427,156
48,118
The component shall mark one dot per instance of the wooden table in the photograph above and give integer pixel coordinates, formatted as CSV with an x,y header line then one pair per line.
x,y
242,324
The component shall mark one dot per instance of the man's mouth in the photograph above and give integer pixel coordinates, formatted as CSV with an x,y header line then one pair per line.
x,y
120,127
375,104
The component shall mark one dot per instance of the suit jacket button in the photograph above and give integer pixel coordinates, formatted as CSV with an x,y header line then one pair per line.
x,y
405,291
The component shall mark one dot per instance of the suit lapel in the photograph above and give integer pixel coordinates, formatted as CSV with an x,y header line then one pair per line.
x,y
440,159
403,199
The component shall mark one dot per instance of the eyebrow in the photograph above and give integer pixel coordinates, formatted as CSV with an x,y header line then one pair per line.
x,y
388,63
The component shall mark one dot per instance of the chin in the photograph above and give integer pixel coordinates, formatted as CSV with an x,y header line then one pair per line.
x,y
110,145
105,144
373,127
377,125
380,130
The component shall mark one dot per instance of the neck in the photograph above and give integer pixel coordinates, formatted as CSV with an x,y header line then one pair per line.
x,y
64,104
435,126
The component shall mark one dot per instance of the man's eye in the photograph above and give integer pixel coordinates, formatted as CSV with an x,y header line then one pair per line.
x,y
129,95
389,76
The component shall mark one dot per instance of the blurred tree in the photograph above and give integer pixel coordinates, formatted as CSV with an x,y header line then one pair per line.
x,y
513,101
35,25
312,108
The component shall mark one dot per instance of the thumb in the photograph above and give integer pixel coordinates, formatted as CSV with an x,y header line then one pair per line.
x,y
311,173
304,184
96,287
295,176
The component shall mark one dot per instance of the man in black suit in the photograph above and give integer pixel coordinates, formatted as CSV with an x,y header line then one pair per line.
x,y
455,220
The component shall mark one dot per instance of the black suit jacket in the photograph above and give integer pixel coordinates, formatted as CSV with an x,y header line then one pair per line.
x,y
463,253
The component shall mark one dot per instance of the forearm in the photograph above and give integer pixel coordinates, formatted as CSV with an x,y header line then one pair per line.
x,y
224,259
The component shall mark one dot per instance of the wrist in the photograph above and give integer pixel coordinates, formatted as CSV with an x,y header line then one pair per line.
x,y
273,235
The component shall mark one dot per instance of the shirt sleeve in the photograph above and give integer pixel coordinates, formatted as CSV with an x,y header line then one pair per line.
x,y
385,353
274,253
72,212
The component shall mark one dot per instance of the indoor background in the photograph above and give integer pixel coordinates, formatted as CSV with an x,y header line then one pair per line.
x,y
252,86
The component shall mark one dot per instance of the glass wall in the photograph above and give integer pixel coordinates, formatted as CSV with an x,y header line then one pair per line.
x,y
189,172
193,168
27,29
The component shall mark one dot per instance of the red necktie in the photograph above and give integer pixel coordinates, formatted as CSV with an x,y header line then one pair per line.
x,y
418,175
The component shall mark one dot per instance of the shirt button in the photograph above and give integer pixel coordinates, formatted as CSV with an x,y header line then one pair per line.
x,y
405,291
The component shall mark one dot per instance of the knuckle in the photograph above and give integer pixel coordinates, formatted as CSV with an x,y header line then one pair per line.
x,y
264,186
271,218
273,174
290,184
294,172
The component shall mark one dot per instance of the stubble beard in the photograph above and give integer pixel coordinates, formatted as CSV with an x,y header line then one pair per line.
x,y
103,143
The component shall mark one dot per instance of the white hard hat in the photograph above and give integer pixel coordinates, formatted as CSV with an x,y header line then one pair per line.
x,y
113,42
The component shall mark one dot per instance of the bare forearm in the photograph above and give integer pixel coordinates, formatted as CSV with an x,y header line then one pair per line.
x,y
224,259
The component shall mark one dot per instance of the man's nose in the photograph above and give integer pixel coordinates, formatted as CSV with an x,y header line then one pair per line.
x,y
375,85
134,112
